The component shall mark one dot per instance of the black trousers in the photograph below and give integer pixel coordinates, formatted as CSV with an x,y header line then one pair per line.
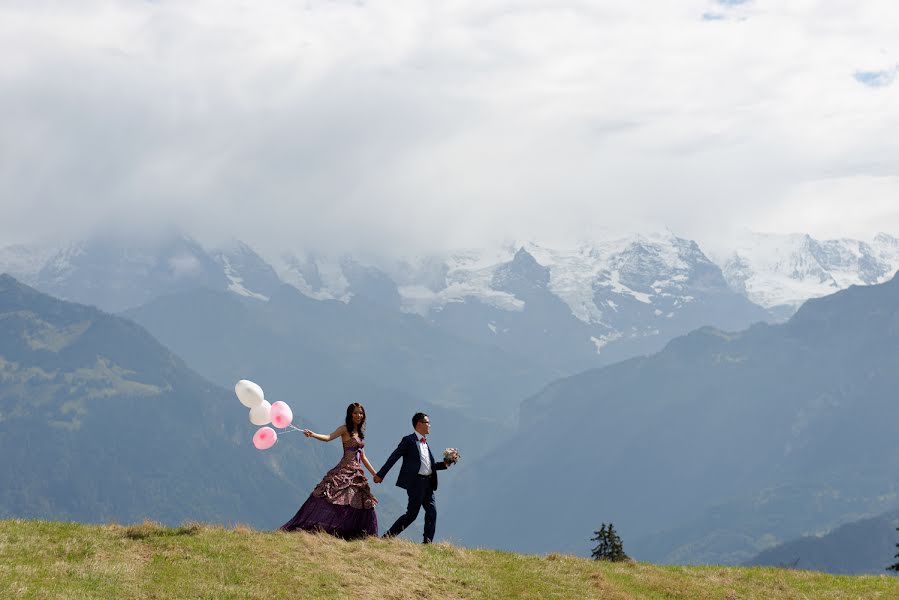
x,y
421,495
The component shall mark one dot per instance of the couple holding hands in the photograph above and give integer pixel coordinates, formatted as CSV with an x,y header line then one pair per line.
x,y
342,503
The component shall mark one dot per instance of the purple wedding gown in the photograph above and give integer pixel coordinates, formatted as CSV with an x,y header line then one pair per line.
x,y
342,503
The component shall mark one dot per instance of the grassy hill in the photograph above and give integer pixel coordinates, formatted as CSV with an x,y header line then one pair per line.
x,y
68,560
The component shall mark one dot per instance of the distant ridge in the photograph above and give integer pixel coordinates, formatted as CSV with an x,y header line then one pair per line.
x,y
715,448
866,546
99,422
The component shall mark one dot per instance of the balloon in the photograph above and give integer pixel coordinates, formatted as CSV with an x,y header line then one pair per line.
x,y
249,394
282,416
262,414
265,438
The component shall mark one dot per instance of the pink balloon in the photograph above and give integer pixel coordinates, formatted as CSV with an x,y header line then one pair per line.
x,y
282,416
265,438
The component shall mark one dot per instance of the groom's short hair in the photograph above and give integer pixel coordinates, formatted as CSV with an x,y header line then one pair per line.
x,y
417,418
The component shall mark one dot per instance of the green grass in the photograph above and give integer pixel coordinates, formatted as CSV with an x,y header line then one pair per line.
x,y
40,559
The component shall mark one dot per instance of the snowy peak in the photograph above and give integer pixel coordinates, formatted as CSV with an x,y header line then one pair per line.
x,y
319,278
116,273
249,275
521,275
370,284
785,270
886,248
589,278
344,278
655,266
430,272
886,241
594,278
24,262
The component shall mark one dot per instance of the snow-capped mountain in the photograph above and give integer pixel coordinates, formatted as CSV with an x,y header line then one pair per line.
x,y
586,277
566,308
780,272
24,261
248,273
575,308
115,273
589,278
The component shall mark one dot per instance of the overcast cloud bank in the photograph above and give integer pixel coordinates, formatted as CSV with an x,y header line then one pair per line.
x,y
420,126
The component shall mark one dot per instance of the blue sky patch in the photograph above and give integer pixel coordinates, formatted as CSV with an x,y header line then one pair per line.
x,y
876,78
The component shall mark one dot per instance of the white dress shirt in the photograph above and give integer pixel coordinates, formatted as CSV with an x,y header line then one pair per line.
x,y
425,468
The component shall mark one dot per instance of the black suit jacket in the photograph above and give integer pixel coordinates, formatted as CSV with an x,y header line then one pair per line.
x,y
408,451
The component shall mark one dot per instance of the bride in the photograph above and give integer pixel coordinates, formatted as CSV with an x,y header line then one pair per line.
x,y
342,503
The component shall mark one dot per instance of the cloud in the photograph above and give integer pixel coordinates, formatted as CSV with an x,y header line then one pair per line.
x,y
424,125
852,206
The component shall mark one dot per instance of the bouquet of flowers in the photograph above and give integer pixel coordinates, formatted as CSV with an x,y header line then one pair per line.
x,y
450,456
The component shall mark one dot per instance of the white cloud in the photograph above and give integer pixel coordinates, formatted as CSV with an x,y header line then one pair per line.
x,y
844,206
414,124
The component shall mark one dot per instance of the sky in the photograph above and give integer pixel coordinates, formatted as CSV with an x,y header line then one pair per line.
x,y
416,125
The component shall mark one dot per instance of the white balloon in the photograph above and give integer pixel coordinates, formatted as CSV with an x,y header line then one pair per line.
x,y
262,414
249,394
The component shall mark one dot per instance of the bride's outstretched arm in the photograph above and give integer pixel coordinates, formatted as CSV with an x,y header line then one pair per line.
x,y
326,438
367,464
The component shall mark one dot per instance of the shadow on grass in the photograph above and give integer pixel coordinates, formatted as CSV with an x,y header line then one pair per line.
x,y
150,529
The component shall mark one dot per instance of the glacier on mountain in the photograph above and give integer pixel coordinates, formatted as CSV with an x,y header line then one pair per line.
x,y
596,279
776,270
577,274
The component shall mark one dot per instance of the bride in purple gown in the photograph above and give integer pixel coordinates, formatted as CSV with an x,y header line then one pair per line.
x,y
342,503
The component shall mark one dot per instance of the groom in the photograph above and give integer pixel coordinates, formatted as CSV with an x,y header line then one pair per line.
x,y
418,476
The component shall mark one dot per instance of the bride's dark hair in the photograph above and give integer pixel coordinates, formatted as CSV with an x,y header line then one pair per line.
x,y
350,426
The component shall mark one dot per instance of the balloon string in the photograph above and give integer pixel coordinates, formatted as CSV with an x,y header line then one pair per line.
x,y
291,430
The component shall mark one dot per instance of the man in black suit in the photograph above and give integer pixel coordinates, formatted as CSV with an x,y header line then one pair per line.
x,y
418,476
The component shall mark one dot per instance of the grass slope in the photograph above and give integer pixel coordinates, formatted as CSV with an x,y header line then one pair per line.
x,y
41,559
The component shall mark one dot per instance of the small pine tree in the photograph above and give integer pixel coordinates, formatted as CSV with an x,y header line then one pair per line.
x,y
609,547
896,566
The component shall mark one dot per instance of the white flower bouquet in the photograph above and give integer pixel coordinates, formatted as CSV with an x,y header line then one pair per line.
x,y
450,456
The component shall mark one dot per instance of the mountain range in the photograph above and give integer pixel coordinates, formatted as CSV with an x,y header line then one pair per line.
x,y
115,273
566,310
780,272
322,355
721,445
729,440
99,422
